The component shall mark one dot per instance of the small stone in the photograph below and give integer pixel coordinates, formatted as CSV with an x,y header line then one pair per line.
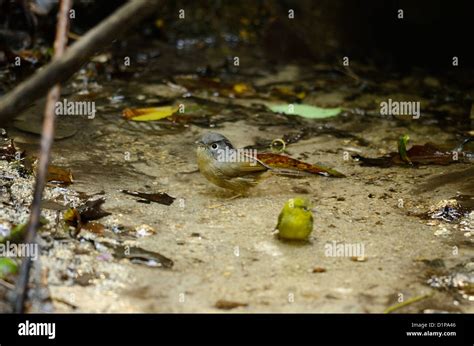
x,y
358,259
299,189
319,270
443,231
144,230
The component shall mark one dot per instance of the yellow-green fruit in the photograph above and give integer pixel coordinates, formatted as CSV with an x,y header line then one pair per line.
x,y
296,220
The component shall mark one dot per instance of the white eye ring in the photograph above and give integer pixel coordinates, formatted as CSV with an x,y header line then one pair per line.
x,y
214,146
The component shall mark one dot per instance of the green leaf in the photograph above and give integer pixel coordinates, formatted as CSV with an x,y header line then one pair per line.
x,y
306,111
7,267
17,233
402,148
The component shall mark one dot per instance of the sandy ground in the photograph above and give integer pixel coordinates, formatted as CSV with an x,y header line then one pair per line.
x,y
223,249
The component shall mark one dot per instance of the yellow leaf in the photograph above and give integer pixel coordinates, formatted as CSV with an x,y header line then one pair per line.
x,y
245,21
301,95
241,88
59,174
148,114
244,35
159,23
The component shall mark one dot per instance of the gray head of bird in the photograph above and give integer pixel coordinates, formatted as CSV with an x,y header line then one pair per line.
x,y
214,144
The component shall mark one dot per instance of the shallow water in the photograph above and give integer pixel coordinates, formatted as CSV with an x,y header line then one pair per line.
x,y
222,248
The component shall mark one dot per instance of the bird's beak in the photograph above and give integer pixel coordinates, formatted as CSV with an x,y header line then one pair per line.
x,y
199,143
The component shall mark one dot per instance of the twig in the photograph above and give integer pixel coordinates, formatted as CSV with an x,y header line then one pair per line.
x,y
47,137
65,302
6,284
407,302
349,72
61,69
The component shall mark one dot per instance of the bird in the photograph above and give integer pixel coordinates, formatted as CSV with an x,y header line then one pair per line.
x,y
241,169
227,167
295,221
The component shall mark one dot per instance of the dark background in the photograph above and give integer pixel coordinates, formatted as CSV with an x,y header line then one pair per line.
x,y
431,33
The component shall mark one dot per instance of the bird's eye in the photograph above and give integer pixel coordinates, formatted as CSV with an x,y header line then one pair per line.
x,y
214,146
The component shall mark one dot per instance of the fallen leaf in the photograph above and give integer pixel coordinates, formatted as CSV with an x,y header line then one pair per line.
x,y
94,227
319,270
80,216
59,175
427,154
286,165
16,233
142,256
92,210
160,197
7,267
287,93
228,305
242,88
33,56
306,111
72,217
13,235
149,114
8,152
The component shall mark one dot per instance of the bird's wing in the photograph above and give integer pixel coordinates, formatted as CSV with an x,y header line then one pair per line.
x,y
240,169
245,165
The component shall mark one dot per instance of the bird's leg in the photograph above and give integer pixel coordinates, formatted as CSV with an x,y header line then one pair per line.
x,y
235,196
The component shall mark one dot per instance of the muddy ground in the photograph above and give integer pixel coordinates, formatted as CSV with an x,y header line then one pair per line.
x,y
223,248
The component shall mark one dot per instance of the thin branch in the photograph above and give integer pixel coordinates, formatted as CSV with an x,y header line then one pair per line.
x,y
406,303
60,70
6,284
47,137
